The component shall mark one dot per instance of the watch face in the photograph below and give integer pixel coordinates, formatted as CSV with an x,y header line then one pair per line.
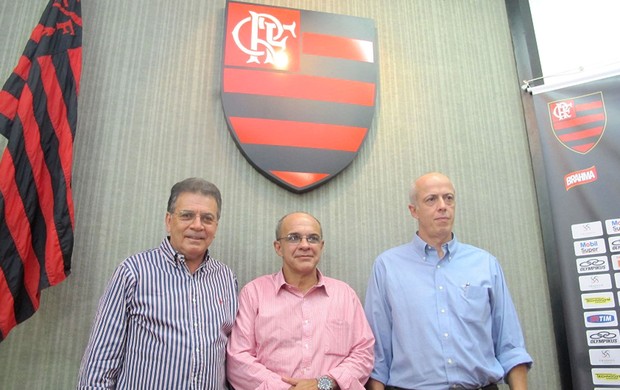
x,y
324,383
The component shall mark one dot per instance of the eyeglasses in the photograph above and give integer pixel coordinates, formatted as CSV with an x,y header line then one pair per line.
x,y
188,216
295,238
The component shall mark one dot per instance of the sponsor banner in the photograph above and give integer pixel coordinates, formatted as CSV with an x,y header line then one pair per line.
x,y
299,90
578,142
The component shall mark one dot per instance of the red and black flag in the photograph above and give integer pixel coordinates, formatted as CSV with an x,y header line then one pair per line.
x,y
38,116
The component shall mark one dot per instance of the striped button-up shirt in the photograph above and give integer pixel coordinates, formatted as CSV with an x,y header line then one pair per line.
x,y
159,326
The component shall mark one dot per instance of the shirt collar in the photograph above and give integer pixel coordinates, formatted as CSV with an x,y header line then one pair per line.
x,y
280,283
176,258
422,248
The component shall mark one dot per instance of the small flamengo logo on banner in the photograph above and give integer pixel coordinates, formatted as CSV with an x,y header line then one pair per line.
x,y
298,90
579,123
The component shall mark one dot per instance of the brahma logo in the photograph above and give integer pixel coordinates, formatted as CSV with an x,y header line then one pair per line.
x,y
579,123
298,90
578,178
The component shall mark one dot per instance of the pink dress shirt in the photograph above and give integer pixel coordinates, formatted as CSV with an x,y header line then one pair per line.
x,y
279,332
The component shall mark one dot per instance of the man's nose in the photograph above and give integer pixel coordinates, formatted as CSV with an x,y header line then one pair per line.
x,y
197,222
304,241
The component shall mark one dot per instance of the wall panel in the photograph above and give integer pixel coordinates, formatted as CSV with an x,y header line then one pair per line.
x,y
150,115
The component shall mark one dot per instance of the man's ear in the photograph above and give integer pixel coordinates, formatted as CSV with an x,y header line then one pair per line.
x,y
167,222
278,247
413,210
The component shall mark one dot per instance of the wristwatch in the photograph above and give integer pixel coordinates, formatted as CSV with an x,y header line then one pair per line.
x,y
325,383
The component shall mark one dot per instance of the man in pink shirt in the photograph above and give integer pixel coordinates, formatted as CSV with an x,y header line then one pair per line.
x,y
298,329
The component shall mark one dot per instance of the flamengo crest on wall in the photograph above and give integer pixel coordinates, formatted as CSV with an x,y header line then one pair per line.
x,y
298,90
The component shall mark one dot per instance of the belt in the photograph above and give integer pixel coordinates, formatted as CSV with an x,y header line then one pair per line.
x,y
492,386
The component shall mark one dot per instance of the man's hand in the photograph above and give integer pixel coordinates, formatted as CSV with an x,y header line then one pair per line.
x,y
301,384
374,384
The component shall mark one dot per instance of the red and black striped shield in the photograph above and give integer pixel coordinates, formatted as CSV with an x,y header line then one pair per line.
x,y
579,122
298,90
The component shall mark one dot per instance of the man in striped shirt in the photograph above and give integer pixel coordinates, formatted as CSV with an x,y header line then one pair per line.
x,y
299,329
165,317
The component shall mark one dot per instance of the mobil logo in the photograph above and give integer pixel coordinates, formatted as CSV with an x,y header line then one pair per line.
x,y
299,90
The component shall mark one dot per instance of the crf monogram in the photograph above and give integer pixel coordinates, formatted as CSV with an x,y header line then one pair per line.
x,y
271,38
66,27
563,110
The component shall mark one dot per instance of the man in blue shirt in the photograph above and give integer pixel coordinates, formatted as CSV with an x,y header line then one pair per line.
x,y
440,309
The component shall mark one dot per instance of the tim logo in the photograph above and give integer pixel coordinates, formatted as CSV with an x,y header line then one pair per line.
x,y
579,123
601,319
298,90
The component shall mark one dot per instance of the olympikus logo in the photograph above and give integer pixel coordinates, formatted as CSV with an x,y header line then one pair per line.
x,y
603,337
298,90
578,178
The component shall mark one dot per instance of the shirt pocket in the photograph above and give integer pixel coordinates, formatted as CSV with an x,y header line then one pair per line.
x,y
474,305
338,337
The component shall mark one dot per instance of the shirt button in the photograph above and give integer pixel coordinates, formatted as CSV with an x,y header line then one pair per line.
x,y
441,287
443,310
438,266
445,335
449,361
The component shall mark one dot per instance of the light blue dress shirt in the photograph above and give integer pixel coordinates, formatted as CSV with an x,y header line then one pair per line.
x,y
442,323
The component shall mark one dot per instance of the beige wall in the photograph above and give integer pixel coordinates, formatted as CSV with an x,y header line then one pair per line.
x,y
150,115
